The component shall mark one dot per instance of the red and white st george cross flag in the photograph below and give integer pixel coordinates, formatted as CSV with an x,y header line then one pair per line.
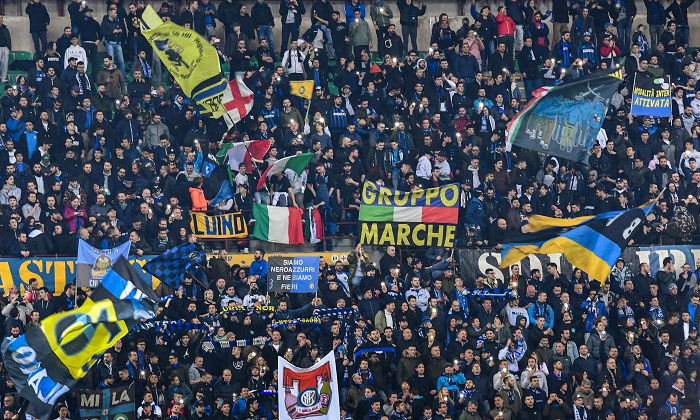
x,y
237,100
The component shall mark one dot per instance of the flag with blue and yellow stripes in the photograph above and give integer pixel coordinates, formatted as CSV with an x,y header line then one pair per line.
x,y
592,243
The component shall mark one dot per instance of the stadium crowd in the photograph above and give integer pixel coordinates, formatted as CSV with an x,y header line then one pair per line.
x,y
90,151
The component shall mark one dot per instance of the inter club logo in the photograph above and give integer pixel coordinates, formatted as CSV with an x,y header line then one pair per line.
x,y
307,394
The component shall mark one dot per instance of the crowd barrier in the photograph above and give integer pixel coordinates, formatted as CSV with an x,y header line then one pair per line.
x,y
55,272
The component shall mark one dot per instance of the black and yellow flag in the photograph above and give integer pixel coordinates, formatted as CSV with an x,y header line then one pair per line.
x,y
592,243
190,58
48,361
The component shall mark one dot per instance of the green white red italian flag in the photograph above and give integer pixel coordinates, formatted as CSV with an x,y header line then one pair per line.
x,y
297,163
282,225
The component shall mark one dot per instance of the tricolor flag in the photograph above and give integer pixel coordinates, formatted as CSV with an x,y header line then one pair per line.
x,y
297,163
241,152
313,225
280,225
433,205
237,100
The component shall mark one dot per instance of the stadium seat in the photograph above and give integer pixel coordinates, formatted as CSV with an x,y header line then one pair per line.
x,y
21,55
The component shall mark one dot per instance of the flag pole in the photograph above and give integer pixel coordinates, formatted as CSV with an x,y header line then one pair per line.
x,y
308,110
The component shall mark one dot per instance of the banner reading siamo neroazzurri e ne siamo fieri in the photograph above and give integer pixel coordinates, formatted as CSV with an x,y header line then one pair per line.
x,y
52,272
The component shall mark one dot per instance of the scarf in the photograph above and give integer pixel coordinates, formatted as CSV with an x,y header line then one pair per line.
x,y
542,311
84,86
612,377
146,69
580,413
672,408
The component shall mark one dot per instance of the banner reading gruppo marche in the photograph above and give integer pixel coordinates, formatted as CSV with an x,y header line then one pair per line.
x,y
651,96
219,226
420,218
52,272
474,261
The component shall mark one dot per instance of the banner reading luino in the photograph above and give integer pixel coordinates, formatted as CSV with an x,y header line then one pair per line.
x,y
219,226
415,218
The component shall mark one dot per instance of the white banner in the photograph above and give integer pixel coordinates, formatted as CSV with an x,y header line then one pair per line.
x,y
308,394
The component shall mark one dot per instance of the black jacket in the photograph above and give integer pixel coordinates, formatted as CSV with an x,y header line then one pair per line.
x,y
5,38
39,18
108,27
228,10
262,15
408,18
285,6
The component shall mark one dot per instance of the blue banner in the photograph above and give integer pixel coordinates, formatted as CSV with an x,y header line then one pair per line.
x,y
293,274
651,96
95,263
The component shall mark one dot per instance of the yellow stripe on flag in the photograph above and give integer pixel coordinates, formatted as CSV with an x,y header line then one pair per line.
x,y
304,89
538,223
577,255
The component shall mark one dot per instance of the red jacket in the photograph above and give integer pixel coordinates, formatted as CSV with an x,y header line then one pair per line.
x,y
609,52
506,26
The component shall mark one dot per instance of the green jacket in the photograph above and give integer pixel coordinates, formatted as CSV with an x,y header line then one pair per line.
x,y
378,18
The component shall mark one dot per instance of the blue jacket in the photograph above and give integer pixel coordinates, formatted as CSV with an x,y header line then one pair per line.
x,y
476,215
656,14
466,66
259,268
548,315
451,382
350,11
15,128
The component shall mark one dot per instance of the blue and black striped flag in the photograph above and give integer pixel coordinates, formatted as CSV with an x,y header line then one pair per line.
x,y
170,266
47,362
593,243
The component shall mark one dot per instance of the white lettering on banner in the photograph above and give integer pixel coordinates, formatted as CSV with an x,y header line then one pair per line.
x,y
478,260
46,389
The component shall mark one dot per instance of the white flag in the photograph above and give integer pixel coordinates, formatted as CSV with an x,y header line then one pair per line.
x,y
308,394
237,100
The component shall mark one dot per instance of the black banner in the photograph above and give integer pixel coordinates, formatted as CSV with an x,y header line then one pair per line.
x,y
108,404
477,261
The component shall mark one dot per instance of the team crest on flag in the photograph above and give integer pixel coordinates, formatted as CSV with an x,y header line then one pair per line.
x,y
309,394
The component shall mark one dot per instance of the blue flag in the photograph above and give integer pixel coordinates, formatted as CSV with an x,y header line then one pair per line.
x,y
170,266
207,169
94,263
225,193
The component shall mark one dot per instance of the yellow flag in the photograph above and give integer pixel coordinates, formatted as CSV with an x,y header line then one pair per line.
x,y
303,89
192,61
